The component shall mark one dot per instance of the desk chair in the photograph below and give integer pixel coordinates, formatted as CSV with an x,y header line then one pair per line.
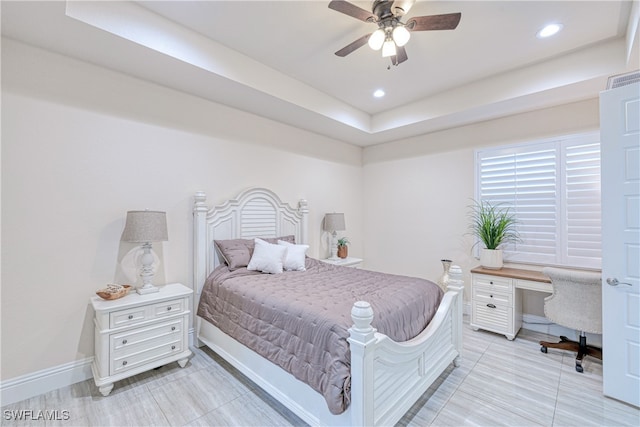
x,y
576,303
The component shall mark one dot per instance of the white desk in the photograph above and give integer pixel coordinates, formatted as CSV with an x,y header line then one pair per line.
x,y
496,298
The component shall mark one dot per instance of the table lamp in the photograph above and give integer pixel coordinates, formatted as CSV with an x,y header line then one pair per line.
x,y
146,227
334,222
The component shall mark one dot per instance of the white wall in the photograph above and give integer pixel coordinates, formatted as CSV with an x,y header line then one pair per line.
x,y
417,191
82,145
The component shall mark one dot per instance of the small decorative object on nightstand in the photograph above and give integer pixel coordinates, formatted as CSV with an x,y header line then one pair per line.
x,y
345,262
137,333
343,248
113,291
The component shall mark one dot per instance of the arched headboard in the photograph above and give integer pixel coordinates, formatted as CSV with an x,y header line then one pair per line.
x,y
257,212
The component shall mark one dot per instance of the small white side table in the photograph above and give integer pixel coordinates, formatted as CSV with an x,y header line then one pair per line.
x,y
136,333
345,262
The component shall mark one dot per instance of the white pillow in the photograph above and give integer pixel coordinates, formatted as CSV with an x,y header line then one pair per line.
x,y
296,254
267,257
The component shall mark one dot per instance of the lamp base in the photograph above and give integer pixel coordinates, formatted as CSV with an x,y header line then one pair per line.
x,y
147,289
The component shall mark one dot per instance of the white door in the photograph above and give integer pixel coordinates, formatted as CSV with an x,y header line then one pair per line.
x,y
620,148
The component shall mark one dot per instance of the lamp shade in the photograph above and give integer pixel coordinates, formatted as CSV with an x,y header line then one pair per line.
x,y
376,39
388,48
334,222
145,226
401,35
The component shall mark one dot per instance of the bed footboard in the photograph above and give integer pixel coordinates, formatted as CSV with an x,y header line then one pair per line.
x,y
387,377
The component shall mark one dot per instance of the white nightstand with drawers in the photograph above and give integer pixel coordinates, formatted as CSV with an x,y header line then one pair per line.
x,y
140,332
345,262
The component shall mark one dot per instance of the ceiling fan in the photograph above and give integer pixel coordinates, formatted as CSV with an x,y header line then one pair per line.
x,y
392,34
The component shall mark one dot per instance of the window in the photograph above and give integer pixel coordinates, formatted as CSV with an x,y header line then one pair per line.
x,y
553,188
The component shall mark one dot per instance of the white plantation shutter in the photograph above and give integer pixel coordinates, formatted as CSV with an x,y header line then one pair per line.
x,y
553,188
583,211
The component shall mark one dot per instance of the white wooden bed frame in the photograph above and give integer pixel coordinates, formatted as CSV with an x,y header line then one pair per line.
x,y
387,377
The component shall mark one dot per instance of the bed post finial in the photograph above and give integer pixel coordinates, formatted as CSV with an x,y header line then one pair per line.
x,y
362,316
200,198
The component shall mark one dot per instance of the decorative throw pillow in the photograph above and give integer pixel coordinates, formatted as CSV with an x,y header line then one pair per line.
x,y
267,257
296,256
289,239
237,253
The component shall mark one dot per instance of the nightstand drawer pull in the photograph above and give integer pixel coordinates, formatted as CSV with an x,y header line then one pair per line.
x,y
491,305
130,316
169,308
124,363
173,347
173,328
124,341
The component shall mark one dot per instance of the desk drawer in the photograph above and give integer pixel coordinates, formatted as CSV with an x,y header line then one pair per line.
x,y
488,296
493,283
534,286
497,319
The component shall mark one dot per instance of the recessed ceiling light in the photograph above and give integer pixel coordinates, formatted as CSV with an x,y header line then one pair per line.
x,y
378,93
549,30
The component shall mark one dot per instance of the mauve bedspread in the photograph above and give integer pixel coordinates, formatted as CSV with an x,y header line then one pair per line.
x,y
299,320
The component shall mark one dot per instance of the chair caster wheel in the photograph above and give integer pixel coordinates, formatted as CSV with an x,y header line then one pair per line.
x,y
543,349
579,368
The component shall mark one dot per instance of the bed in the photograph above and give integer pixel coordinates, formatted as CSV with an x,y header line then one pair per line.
x,y
386,377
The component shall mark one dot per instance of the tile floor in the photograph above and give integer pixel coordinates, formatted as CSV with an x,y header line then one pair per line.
x,y
499,382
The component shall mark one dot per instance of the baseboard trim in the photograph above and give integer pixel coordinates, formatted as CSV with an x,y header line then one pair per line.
x,y
36,383
544,325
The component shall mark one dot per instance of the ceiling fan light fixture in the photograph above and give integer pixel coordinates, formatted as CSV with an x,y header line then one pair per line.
x,y
388,48
376,39
391,34
401,35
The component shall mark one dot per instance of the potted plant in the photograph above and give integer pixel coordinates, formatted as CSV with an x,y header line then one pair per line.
x,y
343,250
494,226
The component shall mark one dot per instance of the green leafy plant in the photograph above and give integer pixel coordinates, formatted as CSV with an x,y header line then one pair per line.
x,y
492,224
343,241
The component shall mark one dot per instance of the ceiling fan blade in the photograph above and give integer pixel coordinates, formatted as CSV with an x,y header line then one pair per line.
x,y
400,56
448,21
352,10
353,45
